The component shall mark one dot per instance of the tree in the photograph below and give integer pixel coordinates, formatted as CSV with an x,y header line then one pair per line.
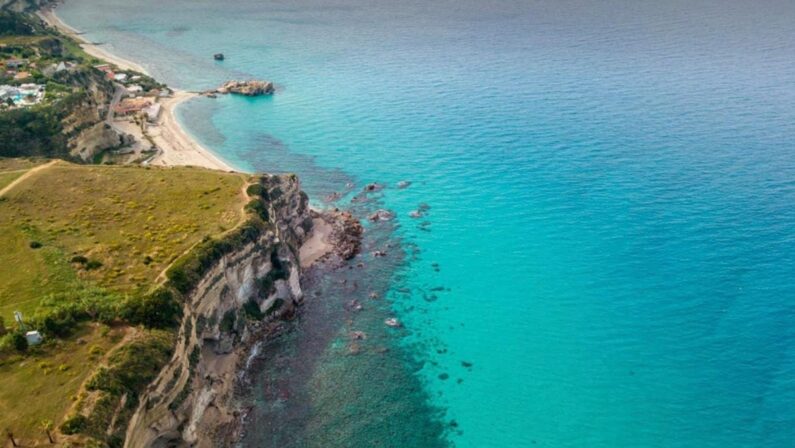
x,y
3,330
47,426
20,342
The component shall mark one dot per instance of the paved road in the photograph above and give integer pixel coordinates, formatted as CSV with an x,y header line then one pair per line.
x,y
113,102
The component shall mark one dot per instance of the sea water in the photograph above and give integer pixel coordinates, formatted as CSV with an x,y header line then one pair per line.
x,y
608,259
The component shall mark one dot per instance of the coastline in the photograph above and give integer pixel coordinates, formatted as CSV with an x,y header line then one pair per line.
x,y
177,146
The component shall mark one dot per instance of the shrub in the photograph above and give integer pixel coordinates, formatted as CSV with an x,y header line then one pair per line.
x,y
257,190
35,244
159,309
133,366
79,259
74,424
8,343
251,308
228,321
93,264
19,342
194,357
277,304
257,207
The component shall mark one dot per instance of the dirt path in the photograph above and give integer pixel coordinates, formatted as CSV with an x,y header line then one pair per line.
x,y
22,178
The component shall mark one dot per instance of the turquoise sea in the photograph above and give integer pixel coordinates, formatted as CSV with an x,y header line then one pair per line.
x,y
608,259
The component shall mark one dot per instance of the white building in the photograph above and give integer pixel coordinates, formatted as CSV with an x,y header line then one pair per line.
x,y
152,112
134,89
33,337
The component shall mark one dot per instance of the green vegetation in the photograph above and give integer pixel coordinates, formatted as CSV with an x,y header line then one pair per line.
x,y
97,258
40,130
35,386
88,252
113,227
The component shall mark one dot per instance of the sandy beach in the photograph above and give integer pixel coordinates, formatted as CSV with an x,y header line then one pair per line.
x,y
176,146
317,245
49,16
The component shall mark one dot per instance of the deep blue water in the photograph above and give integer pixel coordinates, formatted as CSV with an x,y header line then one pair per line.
x,y
612,201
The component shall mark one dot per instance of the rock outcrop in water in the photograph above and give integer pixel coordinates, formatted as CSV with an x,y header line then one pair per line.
x,y
247,88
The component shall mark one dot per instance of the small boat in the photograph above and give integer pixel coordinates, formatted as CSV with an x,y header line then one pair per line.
x,y
218,56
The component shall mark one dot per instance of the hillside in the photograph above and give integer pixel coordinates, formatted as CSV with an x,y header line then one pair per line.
x,y
83,255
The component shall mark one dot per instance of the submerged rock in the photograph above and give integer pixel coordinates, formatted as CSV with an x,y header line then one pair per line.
x,y
354,305
373,187
381,215
358,335
393,322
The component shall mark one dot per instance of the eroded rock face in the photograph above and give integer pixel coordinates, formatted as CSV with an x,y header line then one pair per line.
x,y
96,139
248,88
247,293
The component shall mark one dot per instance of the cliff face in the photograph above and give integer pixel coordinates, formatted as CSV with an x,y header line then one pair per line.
x,y
87,132
242,295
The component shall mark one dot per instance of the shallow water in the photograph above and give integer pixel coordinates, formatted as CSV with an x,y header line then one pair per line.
x,y
609,246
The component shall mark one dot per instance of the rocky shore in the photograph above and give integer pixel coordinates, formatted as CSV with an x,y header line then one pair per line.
x,y
244,299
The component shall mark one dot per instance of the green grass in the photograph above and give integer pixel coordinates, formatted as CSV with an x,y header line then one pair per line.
x,y
68,227
132,222
43,385
17,164
7,178
21,40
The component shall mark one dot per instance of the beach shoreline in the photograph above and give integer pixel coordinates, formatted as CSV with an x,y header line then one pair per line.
x,y
177,147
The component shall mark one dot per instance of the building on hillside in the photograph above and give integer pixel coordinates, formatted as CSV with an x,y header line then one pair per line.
x,y
24,95
131,106
134,89
120,77
16,64
152,113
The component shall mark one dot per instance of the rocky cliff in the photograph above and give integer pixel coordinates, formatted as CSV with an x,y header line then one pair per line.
x,y
242,296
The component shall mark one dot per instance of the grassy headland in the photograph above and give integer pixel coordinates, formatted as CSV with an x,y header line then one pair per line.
x,y
83,255
96,258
